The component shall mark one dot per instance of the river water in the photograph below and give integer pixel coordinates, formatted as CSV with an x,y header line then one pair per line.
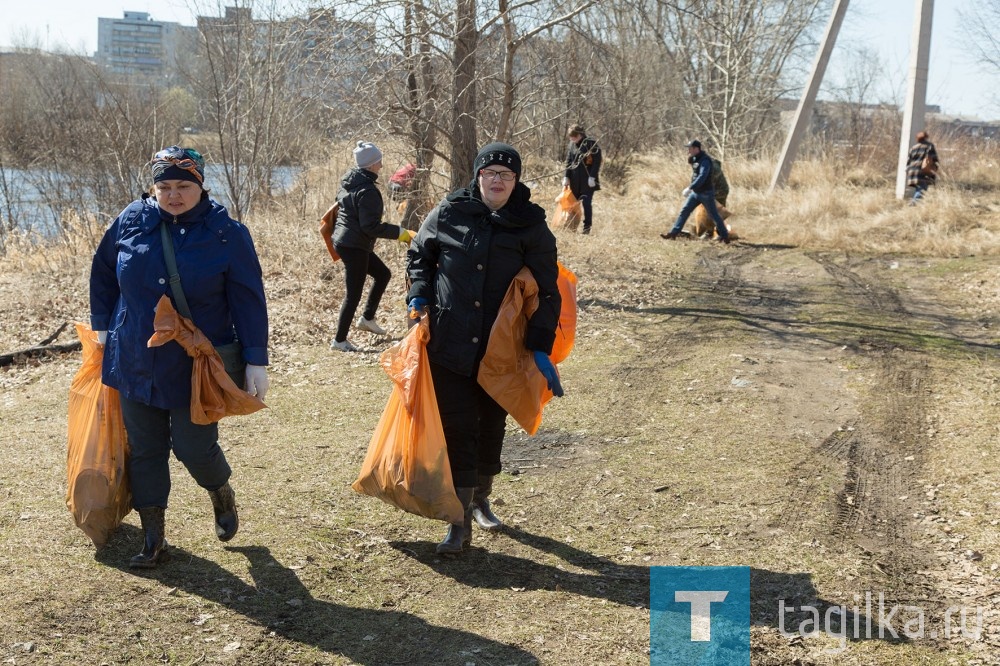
x,y
32,208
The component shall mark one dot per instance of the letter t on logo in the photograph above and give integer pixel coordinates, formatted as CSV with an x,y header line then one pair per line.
x,y
701,610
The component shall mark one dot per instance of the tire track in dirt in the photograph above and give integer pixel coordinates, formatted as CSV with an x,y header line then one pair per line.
x,y
882,453
878,456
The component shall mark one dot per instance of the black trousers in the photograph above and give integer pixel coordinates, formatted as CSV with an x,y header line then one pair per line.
x,y
474,426
358,265
152,434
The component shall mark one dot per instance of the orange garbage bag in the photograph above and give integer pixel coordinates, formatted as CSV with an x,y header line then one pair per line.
x,y
213,393
508,371
569,211
407,461
326,224
566,332
97,490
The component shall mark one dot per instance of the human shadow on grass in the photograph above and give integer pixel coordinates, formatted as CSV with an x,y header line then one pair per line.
x,y
624,584
628,584
278,601
790,603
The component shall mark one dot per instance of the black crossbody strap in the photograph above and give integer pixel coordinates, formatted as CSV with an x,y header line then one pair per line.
x,y
175,279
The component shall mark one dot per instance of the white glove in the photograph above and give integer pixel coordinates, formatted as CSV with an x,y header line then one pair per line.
x,y
257,381
102,337
686,191
565,182
592,182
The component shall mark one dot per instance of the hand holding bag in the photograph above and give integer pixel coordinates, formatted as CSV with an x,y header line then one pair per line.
x,y
407,460
569,211
97,490
214,394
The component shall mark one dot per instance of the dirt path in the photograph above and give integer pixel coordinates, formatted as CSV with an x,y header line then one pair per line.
x,y
828,420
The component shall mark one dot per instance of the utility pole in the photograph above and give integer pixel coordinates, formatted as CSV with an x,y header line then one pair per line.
x,y
916,92
803,113
916,96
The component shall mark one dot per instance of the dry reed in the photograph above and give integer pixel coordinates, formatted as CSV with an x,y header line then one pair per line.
x,y
825,206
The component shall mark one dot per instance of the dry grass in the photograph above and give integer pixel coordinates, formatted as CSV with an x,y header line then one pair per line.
x,y
706,397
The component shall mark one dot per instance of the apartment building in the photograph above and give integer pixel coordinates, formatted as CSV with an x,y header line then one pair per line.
x,y
138,45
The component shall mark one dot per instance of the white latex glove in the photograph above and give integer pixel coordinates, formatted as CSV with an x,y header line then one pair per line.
x,y
565,182
592,182
257,381
686,191
102,337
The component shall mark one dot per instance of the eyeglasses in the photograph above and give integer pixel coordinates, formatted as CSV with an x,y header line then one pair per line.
x,y
188,159
492,174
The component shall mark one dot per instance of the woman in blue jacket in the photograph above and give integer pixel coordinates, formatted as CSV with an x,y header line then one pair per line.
x,y
220,277
462,261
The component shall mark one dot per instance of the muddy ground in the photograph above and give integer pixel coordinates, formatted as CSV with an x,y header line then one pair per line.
x,y
827,419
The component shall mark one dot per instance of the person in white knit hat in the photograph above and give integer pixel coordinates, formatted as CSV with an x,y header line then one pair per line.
x,y
359,225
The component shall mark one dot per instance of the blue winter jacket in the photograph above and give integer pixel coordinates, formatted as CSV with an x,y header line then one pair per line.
x,y
221,278
701,176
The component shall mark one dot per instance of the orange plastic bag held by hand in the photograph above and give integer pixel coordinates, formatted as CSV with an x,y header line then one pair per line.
x,y
326,225
508,371
566,332
569,211
407,460
97,490
213,393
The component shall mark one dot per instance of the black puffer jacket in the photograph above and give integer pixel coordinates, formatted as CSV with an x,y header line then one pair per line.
x,y
359,223
462,262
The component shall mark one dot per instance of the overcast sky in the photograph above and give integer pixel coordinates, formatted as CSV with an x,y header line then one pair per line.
x,y
955,82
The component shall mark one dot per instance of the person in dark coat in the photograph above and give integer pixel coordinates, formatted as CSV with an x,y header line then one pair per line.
x,y
460,265
921,168
701,191
583,171
221,280
359,225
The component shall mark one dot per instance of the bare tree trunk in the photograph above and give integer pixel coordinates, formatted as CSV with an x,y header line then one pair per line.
x,y
422,90
463,146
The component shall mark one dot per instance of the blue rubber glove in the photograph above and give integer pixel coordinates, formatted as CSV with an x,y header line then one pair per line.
x,y
416,307
549,372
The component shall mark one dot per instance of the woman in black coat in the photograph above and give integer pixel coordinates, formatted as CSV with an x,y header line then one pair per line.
x,y
460,265
583,171
359,225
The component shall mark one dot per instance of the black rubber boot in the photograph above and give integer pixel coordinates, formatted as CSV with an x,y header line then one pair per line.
x,y
459,536
481,510
227,521
154,550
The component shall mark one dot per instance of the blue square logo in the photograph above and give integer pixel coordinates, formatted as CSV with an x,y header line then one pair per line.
x,y
699,616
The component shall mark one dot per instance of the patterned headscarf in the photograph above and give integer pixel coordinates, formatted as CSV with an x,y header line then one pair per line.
x,y
176,163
